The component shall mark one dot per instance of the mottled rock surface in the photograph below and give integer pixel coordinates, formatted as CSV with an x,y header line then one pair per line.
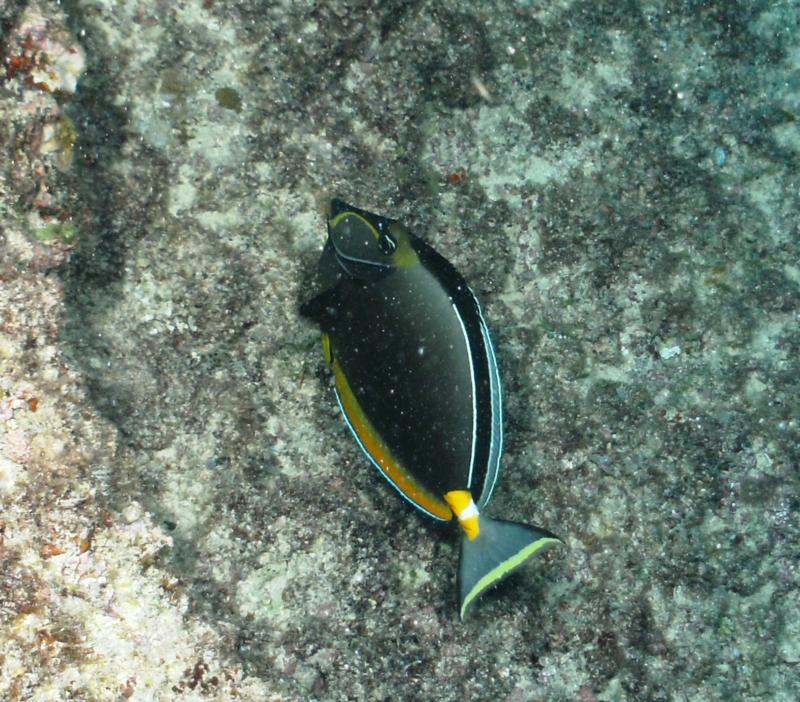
x,y
182,512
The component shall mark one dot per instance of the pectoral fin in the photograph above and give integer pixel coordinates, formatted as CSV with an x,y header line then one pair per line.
x,y
323,309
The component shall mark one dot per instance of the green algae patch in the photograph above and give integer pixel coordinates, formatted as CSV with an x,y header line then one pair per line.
x,y
229,99
62,232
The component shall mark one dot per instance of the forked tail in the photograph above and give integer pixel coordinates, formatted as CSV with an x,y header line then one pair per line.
x,y
498,550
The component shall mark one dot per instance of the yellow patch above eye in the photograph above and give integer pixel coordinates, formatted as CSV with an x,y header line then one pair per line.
x,y
404,256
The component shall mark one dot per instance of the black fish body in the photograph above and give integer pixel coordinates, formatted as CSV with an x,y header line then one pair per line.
x,y
417,380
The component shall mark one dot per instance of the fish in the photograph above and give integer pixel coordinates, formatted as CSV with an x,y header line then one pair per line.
x,y
417,380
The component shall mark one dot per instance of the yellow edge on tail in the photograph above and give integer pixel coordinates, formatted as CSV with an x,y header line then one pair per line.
x,y
504,568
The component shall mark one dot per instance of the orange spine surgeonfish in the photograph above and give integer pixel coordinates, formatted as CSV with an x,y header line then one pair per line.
x,y
417,381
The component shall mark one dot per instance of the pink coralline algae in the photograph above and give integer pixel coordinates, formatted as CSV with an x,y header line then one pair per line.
x,y
14,441
16,446
41,62
42,55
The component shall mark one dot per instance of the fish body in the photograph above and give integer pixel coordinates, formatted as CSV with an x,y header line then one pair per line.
x,y
417,380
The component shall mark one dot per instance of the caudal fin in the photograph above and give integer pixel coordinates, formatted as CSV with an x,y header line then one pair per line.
x,y
499,549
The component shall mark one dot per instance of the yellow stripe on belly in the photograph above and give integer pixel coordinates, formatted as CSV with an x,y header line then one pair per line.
x,y
380,453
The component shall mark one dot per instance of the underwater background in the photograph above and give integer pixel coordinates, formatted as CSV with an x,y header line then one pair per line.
x,y
183,515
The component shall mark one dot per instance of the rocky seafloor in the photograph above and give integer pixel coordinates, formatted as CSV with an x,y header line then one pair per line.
x,y
183,515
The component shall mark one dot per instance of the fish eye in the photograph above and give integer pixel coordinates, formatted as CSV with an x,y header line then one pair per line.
x,y
387,243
